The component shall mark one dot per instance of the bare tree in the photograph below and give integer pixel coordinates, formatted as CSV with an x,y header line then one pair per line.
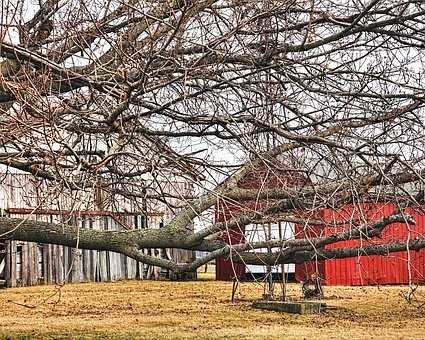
x,y
326,98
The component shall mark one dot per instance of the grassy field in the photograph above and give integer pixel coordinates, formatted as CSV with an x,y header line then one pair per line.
x,y
201,310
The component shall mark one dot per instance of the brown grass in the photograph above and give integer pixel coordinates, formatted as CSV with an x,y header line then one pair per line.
x,y
202,310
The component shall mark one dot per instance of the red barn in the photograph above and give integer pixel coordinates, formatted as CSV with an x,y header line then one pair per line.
x,y
396,268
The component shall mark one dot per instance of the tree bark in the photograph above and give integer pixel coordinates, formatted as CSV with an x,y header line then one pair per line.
x,y
130,242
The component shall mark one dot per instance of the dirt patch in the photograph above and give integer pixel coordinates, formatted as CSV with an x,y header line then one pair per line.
x,y
202,310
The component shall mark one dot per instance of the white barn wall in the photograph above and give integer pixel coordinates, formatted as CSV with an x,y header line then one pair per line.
x,y
260,232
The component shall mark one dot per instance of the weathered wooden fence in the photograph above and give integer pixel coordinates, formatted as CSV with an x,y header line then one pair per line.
x,y
27,263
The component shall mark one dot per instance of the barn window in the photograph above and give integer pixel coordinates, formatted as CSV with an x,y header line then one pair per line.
x,y
140,221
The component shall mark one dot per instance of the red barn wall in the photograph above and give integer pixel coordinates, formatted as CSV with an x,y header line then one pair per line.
x,y
371,270
226,269
303,271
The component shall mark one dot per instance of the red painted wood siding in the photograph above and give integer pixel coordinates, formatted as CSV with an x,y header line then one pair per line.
x,y
305,270
373,270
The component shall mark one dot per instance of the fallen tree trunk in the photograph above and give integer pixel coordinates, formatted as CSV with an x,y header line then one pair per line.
x,y
131,242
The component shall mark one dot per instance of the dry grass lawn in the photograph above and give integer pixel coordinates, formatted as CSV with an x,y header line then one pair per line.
x,y
201,310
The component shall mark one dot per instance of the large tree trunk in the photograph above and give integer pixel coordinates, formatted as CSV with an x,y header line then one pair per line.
x,y
130,242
